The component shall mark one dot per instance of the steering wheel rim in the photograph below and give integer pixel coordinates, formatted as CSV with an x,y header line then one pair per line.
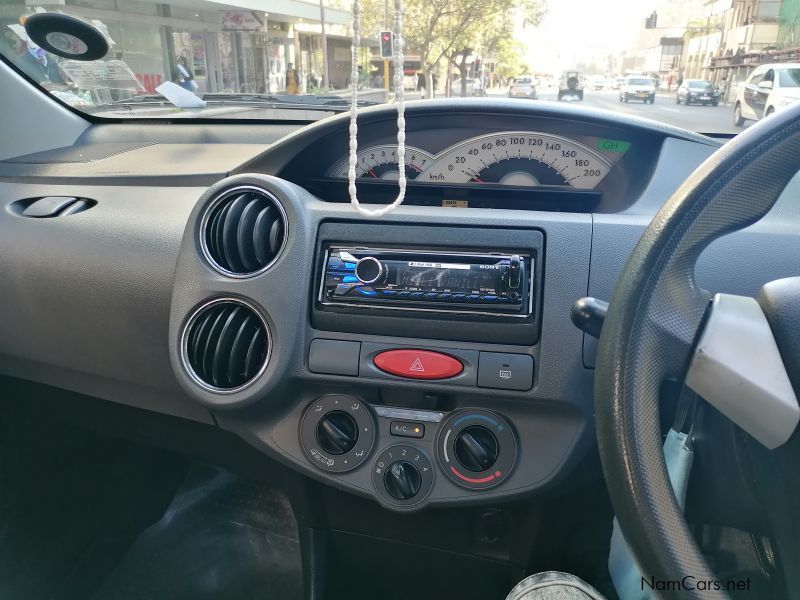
x,y
649,331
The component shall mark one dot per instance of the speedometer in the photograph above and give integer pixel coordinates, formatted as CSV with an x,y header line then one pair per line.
x,y
380,162
519,158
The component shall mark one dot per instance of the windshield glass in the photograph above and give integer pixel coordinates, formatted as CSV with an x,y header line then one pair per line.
x,y
291,59
699,85
789,77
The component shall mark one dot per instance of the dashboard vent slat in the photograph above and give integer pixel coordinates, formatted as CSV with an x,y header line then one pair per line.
x,y
226,345
244,235
261,233
243,231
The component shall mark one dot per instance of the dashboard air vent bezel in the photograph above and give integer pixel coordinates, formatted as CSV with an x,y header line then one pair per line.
x,y
184,344
210,211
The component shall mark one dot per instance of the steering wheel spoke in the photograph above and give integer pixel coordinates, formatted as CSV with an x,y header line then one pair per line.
x,y
737,367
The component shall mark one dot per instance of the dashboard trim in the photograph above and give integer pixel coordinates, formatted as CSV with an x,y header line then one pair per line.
x,y
184,345
209,208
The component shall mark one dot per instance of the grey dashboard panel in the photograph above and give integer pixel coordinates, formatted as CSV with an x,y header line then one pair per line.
x,y
165,132
85,299
131,163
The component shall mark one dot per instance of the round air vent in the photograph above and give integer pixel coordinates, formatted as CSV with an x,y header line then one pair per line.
x,y
243,231
226,345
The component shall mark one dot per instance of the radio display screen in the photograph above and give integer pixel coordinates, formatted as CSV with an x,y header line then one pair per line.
x,y
443,277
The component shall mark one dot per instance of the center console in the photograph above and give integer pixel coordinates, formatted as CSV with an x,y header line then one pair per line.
x,y
400,359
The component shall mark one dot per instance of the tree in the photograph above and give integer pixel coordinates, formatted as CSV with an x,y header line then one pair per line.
x,y
445,29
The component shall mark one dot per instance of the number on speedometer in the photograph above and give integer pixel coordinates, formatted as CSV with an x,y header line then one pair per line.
x,y
519,158
380,162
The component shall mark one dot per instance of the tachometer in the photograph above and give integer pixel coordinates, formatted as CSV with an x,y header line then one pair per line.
x,y
519,158
380,162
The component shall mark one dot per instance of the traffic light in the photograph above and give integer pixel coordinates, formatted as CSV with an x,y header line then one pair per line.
x,y
651,21
387,44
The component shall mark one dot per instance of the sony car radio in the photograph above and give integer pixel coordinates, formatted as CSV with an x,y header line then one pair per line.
x,y
428,280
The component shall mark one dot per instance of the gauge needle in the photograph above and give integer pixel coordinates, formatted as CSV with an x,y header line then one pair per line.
x,y
477,179
371,172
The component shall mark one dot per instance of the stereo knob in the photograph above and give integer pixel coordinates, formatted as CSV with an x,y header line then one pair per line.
x,y
402,480
476,448
369,269
337,432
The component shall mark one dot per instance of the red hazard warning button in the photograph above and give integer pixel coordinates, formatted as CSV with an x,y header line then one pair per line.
x,y
418,364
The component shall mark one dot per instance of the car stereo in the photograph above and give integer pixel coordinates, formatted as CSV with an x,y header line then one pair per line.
x,y
486,283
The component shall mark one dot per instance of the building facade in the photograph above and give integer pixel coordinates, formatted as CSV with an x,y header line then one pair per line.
x,y
244,46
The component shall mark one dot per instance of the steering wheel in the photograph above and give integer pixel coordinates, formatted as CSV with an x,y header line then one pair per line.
x,y
661,325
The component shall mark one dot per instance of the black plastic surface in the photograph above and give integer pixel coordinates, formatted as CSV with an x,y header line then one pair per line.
x,y
334,357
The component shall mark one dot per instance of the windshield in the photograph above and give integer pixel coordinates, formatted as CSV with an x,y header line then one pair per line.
x,y
789,77
291,59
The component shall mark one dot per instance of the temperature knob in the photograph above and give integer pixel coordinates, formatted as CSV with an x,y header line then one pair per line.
x,y
476,448
369,269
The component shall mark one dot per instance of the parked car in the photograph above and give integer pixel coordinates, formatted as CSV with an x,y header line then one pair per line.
x,y
638,87
474,87
571,85
523,87
769,89
697,91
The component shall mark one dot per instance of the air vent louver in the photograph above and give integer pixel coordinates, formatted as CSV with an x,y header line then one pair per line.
x,y
244,231
226,345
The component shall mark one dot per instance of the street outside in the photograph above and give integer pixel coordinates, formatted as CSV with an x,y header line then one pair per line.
x,y
703,119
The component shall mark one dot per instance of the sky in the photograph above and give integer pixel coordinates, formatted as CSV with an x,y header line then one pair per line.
x,y
574,29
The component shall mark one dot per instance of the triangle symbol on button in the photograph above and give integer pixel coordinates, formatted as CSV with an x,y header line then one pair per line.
x,y
417,365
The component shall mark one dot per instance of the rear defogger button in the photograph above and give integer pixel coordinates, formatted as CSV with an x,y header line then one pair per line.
x,y
505,371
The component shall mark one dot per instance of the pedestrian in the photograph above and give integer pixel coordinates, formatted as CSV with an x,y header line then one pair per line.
x,y
292,85
32,60
183,76
377,81
669,83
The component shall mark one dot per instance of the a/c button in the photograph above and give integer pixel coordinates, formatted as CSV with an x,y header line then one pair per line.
x,y
407,429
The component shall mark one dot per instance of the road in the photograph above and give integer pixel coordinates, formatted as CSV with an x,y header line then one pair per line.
x,y
704,119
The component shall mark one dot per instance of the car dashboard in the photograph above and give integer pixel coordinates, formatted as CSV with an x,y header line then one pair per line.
x,y
218,273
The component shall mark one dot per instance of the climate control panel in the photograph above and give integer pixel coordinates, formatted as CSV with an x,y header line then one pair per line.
x,y
407,450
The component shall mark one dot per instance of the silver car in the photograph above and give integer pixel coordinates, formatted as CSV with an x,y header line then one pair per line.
x,y
523,87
